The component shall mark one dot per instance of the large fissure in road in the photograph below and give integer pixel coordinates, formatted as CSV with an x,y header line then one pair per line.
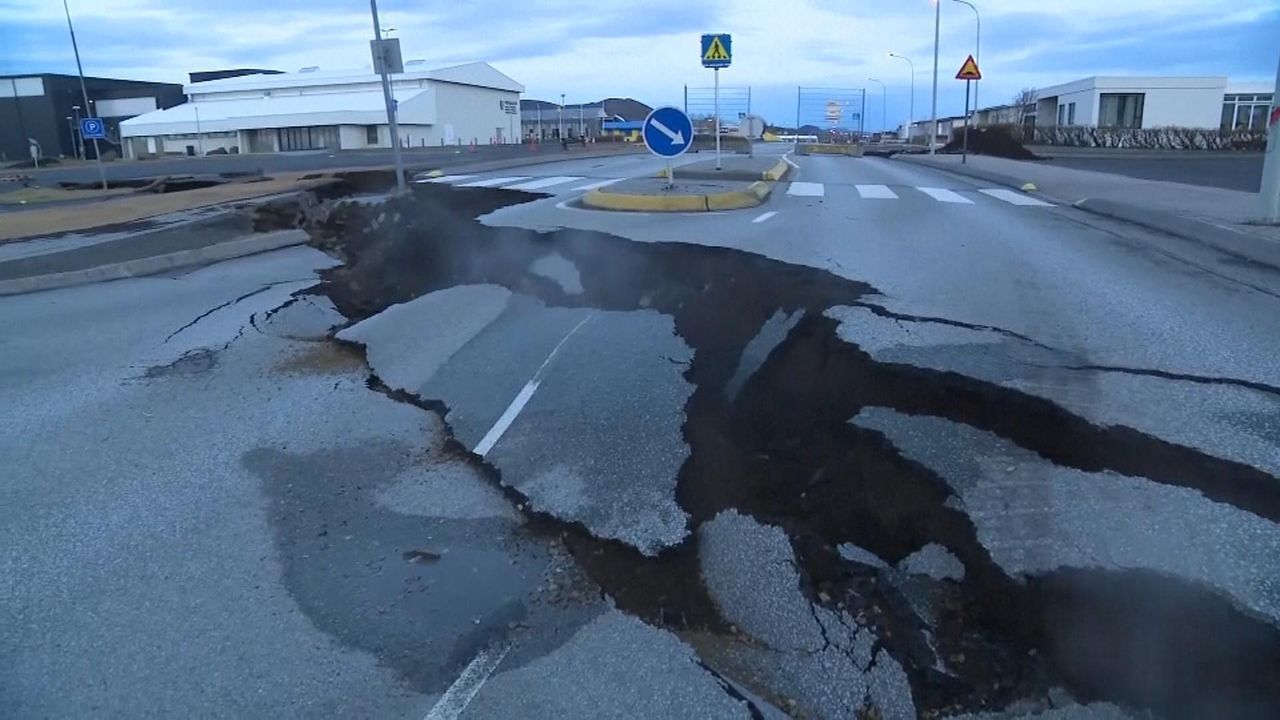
x,y
800,429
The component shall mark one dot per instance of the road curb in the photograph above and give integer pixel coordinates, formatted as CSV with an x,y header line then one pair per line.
x,y
1234,242
240,247
754,195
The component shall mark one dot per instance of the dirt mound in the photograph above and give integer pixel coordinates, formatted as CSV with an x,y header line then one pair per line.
x,y
995,141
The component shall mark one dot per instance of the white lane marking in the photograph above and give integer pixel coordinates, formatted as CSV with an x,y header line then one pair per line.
x,y
1014,198
765,216
594,185
490,182
450,179
806,189
508,416
790,162
944,195
544,182
464,689
876,192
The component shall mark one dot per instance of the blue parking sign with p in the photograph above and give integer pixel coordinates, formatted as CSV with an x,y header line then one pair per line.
x,y
93,129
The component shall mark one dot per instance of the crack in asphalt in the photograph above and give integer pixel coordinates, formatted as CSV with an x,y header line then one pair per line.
x,y
783,449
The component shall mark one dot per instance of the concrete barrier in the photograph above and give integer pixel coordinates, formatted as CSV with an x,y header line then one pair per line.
x,y
820,149
755,194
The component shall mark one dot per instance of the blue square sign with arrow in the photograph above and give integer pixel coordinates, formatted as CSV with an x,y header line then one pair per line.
x,y
717,50
93,129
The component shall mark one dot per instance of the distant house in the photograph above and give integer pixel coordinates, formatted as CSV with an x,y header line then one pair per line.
x,y
331,110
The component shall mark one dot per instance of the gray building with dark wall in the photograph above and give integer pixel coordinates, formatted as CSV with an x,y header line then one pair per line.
x,y
37,106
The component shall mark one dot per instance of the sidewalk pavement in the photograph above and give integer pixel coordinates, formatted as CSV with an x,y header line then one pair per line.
x,y
1213,216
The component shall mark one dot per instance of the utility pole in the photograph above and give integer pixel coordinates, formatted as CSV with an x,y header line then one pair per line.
x,y
884,107
911,114
390,102
1269,195
937,31
102,174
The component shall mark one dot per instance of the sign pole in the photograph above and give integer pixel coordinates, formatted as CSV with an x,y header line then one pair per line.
x,y
1269,194
389,99
717,110
102,174
964,153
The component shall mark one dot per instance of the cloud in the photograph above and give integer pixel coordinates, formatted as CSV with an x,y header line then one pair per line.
x,y
649,51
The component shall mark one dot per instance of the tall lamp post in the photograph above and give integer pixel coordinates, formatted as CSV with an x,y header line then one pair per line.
x,y
884,106
977,49
937,34
911,114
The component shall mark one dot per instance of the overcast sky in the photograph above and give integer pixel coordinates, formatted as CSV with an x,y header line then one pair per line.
x,y
648,49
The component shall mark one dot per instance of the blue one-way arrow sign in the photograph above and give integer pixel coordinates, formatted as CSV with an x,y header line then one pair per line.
x,y
668,132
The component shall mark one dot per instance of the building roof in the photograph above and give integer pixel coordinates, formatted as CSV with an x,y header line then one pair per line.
x,y
478,74
353,108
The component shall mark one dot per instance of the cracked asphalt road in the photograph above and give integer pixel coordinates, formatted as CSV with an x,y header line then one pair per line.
x,y
489,455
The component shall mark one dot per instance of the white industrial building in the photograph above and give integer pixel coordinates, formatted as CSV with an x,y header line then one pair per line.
x,y
1133,102
314,109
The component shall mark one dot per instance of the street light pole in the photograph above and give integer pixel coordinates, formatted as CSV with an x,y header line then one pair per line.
x,y
937,33
884,106
389,100
911,114
102,174
977,50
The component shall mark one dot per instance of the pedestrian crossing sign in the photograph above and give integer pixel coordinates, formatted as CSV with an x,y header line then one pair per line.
x,y
717,50
969,71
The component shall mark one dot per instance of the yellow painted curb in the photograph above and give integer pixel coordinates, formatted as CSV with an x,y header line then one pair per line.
x,y
777,171
755,194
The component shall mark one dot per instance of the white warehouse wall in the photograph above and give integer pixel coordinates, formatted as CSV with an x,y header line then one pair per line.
x,y
474,113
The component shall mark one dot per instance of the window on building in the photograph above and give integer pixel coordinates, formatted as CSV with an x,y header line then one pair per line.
x,y
1071,113
371,134
1062,114
1120,110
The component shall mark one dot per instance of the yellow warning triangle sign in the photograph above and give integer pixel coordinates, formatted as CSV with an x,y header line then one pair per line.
x,y
715,51
969,71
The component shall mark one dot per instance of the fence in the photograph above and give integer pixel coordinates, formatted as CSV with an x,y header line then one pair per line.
x,y
700,106
833,114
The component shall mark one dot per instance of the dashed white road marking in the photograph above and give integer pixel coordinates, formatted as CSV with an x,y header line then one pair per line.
x,y
600,184
765,216
446,179
490,182
508,416
944,195
544,182
876,192
806,189
464,689
1014,198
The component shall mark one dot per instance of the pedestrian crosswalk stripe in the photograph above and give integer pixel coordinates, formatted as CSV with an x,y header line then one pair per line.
x,y
944,195
490,182
1014,198
807,189
447,179
876,192
547,182
600,184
